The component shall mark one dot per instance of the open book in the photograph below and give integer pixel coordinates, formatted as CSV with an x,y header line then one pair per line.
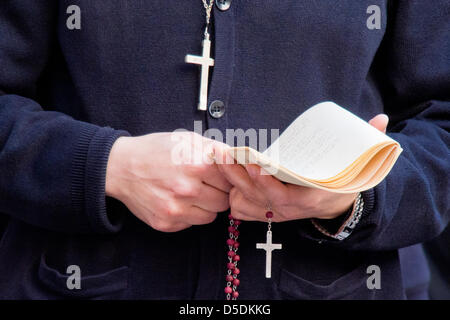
x,y
329,148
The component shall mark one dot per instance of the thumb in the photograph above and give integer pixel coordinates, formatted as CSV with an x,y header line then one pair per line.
x,y
380,122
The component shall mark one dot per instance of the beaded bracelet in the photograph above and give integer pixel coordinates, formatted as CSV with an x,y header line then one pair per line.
x,y
350,223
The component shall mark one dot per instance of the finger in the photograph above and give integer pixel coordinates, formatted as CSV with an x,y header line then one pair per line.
x,y
273,189
154,220
212,175
380,122
245,216
169,228
222,154
215,178
168,213
211,199
198,216
230,169
165,225
239,178
244,209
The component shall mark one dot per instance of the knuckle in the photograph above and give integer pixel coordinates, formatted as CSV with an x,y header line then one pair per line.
x,y
173,209
185,189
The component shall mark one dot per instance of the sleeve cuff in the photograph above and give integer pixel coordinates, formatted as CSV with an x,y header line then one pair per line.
x,y
331,226
88,177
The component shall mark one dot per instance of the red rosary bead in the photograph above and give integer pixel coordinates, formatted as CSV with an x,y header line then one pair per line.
x,y
230,242
233,271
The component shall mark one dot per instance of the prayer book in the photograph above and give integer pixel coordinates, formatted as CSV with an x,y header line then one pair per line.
x,y
329,148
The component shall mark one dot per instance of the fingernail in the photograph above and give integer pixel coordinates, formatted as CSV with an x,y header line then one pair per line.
x,y
385,116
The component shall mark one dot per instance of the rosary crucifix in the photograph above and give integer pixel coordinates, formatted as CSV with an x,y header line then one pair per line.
x,y
269,246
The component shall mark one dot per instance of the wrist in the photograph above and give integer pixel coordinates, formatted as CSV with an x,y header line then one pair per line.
x,y
341,206
352,218
116,164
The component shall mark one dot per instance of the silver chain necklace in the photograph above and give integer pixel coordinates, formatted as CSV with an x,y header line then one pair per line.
x,y
208,9
205,60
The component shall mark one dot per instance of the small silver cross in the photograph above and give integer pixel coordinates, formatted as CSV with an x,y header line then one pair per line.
x,y
205,61
269,247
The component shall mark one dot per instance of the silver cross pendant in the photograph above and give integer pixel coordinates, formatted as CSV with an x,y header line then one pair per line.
x,y
205,61
268,247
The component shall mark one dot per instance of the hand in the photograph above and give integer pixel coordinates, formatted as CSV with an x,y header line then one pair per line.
x,y
252,192
166,181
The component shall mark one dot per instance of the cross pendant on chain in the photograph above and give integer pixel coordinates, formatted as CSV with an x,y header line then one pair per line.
x,y
268,247
205,61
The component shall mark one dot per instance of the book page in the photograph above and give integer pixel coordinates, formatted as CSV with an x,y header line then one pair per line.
x,y
323,141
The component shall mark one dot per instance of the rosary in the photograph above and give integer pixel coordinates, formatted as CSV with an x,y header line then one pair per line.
x,y
232,281
233,258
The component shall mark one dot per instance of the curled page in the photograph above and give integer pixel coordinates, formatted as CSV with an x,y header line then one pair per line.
x,y
324,141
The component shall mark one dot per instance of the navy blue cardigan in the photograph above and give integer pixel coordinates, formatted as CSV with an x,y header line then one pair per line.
x,y
67,95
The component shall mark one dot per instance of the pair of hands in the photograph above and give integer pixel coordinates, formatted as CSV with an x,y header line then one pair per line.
x,y
173,195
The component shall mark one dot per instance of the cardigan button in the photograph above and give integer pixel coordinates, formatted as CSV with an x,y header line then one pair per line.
x,y
216,109
223,5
